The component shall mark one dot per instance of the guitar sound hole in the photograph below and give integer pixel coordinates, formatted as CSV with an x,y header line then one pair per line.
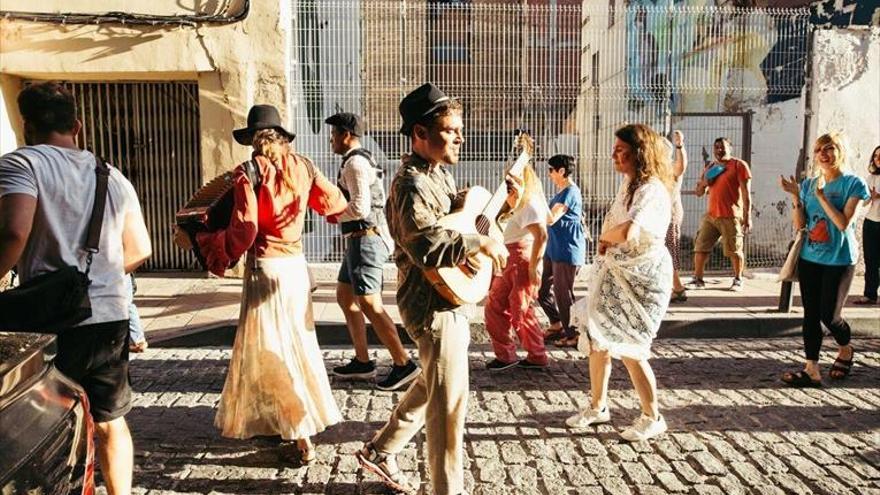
x,y
482,224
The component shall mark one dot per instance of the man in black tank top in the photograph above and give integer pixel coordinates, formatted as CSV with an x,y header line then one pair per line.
x,y
367,245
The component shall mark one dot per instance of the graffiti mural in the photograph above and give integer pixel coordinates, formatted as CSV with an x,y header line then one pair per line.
x,y
738,58
842,13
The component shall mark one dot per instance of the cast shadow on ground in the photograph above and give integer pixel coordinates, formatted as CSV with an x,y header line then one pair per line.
x,y
695,417
167,375
165,459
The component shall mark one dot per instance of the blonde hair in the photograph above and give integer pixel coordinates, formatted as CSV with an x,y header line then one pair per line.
x,y
276,147
651,156
531,185
835,139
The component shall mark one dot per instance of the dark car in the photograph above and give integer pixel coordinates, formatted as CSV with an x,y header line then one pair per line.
x,y
46,430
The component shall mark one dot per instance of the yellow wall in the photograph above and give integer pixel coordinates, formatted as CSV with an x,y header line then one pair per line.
x,y
236,65
152,7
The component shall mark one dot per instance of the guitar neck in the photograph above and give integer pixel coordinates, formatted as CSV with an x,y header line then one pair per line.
x,y
493,207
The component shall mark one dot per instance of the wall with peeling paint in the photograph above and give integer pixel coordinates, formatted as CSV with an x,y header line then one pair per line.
x,y
846,89
236,65
846,94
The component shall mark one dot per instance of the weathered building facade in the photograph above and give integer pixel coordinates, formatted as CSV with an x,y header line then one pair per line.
x,y
162,87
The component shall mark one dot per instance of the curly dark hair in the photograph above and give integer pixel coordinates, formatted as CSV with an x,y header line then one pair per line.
x,y
872,167
651,156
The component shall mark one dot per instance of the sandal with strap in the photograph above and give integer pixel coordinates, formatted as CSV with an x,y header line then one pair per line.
x,y
306,449
800,379
551,333
841,367
679,296
568,341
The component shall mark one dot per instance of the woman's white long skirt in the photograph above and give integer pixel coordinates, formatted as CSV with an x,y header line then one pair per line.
x,y
277,383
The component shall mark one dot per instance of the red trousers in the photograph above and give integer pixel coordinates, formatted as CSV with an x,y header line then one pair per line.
x,y
509,311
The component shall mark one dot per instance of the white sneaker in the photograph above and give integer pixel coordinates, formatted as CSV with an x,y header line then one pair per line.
x,y
644,428
589,416
736,285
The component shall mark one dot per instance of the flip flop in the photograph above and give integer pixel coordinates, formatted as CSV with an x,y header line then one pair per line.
x,y
679,296
800,379
864,301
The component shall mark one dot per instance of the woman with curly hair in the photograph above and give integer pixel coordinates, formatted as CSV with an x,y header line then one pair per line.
x,y
630,281
825,205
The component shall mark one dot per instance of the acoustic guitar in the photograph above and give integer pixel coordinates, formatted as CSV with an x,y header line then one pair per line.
x,y
478,214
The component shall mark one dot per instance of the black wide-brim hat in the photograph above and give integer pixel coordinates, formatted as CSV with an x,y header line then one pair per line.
x,y
260,117
420,102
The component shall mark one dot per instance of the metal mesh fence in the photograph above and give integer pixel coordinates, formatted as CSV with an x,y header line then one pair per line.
x,y
150,132
707,71
568,71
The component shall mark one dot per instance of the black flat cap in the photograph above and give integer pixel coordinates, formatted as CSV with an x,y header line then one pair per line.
x,y
260,117
348,121
420,102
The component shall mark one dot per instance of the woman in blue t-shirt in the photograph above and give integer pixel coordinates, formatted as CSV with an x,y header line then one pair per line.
x,y
565,253
825,205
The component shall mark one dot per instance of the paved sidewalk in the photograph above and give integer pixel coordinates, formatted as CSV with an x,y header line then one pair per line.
x,y
734,428
176,304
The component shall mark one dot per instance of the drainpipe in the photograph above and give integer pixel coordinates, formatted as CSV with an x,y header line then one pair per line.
x,y
785,292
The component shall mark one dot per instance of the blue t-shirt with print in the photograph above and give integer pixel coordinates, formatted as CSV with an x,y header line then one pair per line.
x,y
825,243
566,242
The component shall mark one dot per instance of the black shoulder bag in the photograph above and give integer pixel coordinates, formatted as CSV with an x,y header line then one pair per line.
x,y
55,301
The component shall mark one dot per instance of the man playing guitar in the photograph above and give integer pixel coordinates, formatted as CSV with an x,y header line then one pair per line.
x,y
422,192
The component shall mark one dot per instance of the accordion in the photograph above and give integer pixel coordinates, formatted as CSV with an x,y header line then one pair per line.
x,y
210,208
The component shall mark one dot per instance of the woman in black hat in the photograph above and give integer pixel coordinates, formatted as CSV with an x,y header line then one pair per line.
x,y
277,383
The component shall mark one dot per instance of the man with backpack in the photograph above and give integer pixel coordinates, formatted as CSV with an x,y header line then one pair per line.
x,y
367,245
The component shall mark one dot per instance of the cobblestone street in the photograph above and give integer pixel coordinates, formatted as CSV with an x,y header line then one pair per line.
x,y
734,428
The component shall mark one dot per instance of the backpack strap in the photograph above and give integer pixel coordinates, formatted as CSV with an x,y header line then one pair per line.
x,y
380,172
96,221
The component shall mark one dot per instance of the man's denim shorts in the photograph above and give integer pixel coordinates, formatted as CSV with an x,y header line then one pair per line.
x,y
362,265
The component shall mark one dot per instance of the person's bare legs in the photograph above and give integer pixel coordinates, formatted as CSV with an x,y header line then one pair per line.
x,y
371,305
354,320
677,286
116,455
645,383
738,263
699,264
600,373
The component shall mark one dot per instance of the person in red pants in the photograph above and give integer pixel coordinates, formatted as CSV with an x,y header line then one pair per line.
x,y
509,311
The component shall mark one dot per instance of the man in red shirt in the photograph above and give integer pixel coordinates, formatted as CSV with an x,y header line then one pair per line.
x,y
729,217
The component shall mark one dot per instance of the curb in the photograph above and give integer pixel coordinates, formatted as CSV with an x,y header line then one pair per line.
x,y
336,334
